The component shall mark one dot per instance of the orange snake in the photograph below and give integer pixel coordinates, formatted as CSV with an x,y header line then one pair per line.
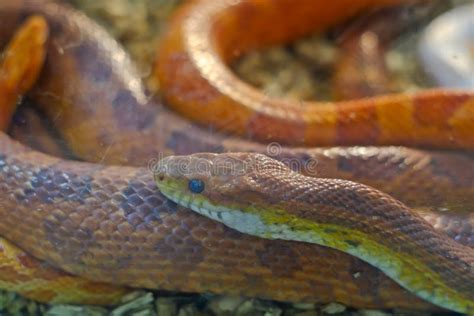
x,y
111,224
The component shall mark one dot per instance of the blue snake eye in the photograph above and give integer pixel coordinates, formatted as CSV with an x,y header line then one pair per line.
x,y
196,185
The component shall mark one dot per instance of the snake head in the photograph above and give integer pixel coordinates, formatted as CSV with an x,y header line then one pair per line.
x,y
230,180
231,188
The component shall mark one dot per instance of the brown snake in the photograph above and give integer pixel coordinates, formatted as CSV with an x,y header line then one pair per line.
x,y
111,223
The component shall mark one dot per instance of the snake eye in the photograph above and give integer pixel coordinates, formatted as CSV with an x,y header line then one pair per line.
x,y
196,185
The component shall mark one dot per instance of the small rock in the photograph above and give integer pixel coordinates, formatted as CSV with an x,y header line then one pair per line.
x,y
166,306
372,312
71,310
138,302
410,313
333,308
225,305
318,50
305,306
188,310
253,307
308,313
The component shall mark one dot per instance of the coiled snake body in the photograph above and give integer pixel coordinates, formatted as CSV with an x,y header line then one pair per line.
x,y
111,223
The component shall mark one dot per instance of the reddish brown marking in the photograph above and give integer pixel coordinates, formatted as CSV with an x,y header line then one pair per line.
x,y
41,294
183,74
357,126
437,111
289,260
441,166
369,282
27,261
262,127
193,253
231,45
10,274
98,288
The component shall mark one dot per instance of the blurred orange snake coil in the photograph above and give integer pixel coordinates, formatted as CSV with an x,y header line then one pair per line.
x,y
106,219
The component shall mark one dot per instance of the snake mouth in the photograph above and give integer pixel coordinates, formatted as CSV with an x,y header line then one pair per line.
x,y
197,203
173,190
235,217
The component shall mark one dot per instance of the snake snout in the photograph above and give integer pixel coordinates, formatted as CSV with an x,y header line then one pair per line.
x,y
160,170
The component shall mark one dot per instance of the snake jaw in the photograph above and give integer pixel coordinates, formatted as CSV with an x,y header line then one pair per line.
x,y
240,219
224,176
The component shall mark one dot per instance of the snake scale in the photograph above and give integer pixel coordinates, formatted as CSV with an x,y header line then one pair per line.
x,y
106,220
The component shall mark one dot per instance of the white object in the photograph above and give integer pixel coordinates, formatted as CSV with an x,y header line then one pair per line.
x,y
446,48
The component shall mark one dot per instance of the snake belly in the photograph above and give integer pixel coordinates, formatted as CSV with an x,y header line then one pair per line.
x,y
111,224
